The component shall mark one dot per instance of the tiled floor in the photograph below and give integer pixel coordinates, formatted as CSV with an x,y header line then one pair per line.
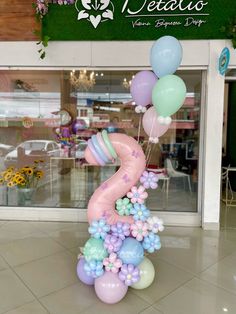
x,y
195,272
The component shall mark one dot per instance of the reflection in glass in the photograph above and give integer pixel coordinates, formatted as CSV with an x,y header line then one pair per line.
x,y
31,129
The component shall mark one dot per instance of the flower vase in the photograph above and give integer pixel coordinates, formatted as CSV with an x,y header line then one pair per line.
x,y
25,196
3,195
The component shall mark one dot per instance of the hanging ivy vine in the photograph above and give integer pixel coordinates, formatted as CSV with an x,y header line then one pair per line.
x,y
41,9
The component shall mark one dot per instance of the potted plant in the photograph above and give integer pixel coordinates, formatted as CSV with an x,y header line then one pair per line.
x,y
5,178
26,181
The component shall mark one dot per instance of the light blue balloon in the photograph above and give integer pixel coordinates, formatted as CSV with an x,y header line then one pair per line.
x,y
166,56
131,252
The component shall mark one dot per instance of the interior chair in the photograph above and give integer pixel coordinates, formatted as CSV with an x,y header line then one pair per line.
x,y
224,182
172,173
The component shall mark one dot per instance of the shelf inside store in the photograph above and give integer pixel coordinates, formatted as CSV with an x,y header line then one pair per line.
x,y
184,124
119,125
17,122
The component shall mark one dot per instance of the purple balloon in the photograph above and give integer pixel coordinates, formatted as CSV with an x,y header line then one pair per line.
x,y
65,132
82,274
141,87
109,288
77,125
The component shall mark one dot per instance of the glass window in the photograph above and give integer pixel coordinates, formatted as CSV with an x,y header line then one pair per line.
x,y
46,118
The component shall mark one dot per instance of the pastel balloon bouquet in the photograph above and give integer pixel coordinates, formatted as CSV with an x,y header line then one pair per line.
x,y
121,226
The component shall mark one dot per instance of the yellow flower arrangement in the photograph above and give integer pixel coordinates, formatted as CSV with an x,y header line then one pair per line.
x,y
25,177
6,176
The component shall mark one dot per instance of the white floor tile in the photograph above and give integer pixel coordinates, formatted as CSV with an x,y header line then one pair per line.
x,y
49,274
15,230
54,226
22,228
71,300
3,222
36,251
192,251
167,279
70,238
35,246
3,264
13,293
198,297
151,310
222,274
29,308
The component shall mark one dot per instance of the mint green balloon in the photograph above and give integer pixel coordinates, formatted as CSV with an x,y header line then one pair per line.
x,y
94,249
147,274
168,95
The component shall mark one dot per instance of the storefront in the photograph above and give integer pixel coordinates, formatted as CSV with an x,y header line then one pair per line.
x,y
33,92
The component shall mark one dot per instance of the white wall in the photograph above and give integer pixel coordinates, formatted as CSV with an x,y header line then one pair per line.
x,y
232,54
213,139
95,54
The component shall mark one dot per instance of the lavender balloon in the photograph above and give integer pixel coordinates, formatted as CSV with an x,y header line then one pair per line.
x,y
82,274
77,125
142,86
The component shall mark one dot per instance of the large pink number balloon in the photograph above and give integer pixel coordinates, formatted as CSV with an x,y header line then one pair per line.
x,y
132,159
151,125
141,87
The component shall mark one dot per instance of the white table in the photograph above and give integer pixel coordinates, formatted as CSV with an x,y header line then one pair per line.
x,y
165,189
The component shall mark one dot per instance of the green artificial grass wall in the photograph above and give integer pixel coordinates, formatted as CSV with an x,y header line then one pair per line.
x,y
61,22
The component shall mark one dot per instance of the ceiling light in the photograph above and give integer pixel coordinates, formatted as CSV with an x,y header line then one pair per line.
x,y
84,81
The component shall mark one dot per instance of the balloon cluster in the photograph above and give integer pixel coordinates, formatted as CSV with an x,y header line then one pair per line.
x,y
67,135
113,258
164,90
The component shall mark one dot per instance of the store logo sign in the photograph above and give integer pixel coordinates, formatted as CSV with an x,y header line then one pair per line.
x,y
95,11
144,12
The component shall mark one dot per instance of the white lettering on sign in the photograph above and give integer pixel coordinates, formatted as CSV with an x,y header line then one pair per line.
x,y
145,13
163,5
196,22
138,23
165,24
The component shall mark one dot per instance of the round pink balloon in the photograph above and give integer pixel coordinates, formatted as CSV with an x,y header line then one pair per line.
x,y
151,125
109,288
141,87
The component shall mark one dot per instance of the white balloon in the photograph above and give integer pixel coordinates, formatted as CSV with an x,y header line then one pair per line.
x,y
168,120
161,120
138,109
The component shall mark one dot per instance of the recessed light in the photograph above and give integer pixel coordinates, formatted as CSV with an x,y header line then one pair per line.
x,y
225,309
